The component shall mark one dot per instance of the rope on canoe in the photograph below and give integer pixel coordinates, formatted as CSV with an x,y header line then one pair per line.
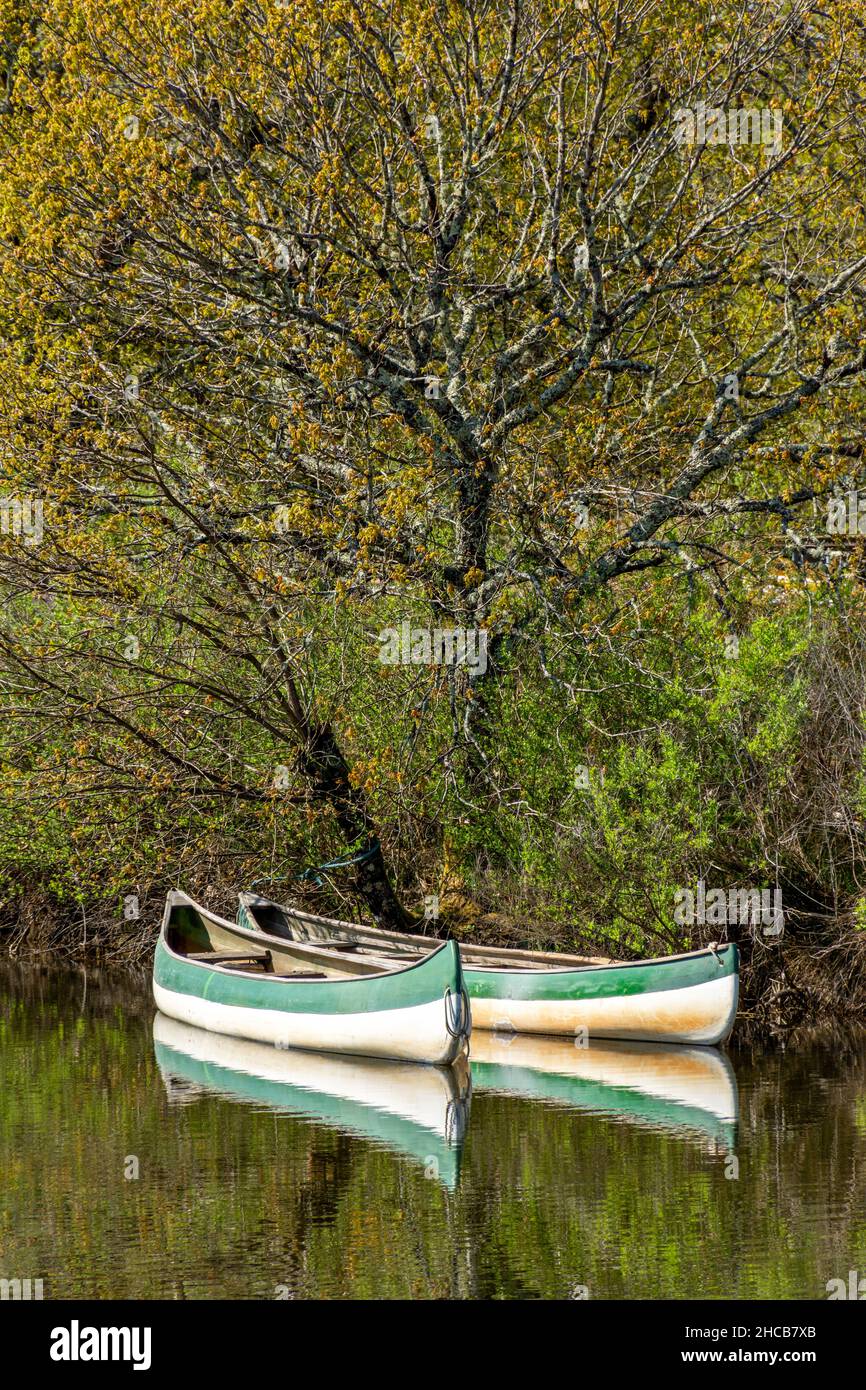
x,y
313,875
458,1016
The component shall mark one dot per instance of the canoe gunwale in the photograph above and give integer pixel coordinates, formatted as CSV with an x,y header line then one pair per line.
x,y
259,976
257,937
612,965
571,964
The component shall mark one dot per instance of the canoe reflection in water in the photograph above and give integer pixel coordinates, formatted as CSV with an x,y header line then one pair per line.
x,y
420,1112
658,1085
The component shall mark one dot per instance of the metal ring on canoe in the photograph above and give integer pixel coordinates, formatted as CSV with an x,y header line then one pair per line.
x,y
458,1015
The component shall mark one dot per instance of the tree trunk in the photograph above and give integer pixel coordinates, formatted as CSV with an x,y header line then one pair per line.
x,y
323,763
475,490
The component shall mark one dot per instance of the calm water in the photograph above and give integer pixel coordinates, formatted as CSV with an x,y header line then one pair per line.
x,y
139,1159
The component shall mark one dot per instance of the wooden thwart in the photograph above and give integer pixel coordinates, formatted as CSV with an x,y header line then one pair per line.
x,y
223,957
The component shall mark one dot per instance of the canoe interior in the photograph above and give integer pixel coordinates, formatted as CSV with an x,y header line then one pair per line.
x,y
201,938
276,920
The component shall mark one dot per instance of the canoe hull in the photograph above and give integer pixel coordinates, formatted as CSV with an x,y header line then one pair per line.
x,y
413,1014
690,998
414,1034
699,1013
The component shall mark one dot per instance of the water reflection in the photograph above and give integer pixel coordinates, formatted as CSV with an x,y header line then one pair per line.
x,y
609,1167
420,1112
692,1089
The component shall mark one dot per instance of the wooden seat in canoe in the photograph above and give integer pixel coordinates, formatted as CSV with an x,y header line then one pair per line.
x,y
232,957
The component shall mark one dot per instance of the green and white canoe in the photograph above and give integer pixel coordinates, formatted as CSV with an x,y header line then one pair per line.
x,y
690,998
222,977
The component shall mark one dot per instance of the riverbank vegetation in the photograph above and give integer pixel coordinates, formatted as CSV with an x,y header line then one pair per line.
x,y
322,319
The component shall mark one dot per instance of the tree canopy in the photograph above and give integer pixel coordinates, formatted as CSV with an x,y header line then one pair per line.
x,y
542,320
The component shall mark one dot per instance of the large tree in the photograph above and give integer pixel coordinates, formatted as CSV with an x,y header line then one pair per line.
x,y
468,313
